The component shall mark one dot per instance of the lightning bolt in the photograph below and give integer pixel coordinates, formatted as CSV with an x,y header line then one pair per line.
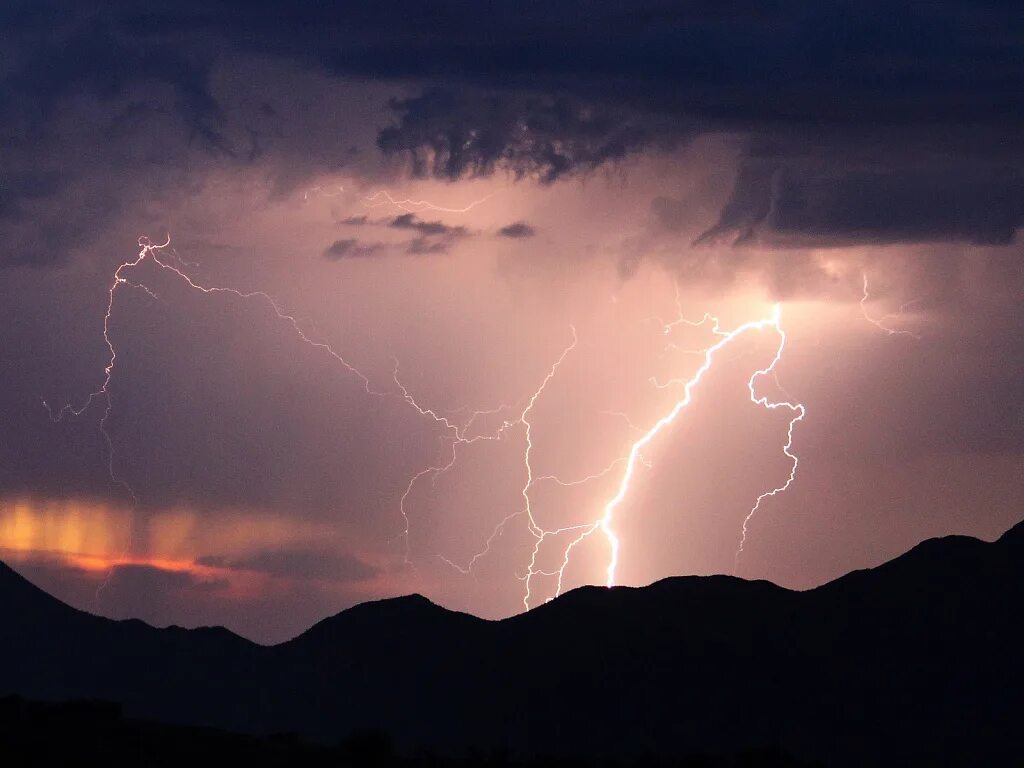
x,y
604,523
323,192
146,247
383,197
148,250
880,323
462,433
635,457
798,411
459,437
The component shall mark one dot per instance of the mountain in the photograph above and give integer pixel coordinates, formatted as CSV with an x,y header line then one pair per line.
x,y
915,662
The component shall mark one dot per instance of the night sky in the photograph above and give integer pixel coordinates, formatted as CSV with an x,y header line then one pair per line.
x,y
470,231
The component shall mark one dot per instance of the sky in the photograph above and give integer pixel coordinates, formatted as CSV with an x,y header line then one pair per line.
x,y
419,297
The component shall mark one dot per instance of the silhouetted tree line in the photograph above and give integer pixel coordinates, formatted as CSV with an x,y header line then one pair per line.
x,y
91,733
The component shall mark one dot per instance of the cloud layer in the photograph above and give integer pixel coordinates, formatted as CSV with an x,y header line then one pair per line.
x,y
855,130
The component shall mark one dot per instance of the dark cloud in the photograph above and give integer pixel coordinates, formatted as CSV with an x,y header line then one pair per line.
x,y
549,92
434,237
60,50
426,228
298,564
787,62
517,230
76,119
847,198
351,248
103,117
424,246
451,136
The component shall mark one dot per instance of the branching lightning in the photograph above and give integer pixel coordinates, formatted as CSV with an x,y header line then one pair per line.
x,y
635,456
798,411
513,419
605,521
146,247
459,437
881,323
148,250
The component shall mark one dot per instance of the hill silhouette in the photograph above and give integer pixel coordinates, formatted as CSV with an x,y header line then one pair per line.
x,y
915,662
90,733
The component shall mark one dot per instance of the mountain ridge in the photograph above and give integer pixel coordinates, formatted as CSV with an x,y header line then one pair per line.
x,y
912,662
1014,536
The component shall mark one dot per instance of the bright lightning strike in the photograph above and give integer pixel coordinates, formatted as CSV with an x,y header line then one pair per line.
x,y
636,456
605,522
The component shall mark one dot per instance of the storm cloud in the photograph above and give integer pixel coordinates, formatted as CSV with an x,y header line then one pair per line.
x,y
517,230
350,248
969,193
446,136
546,96
425,228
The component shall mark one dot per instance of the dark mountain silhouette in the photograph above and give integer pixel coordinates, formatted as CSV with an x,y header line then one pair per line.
x,y
916,662
90,733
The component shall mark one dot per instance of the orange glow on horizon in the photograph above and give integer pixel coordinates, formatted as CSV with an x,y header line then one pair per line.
x,y
94,537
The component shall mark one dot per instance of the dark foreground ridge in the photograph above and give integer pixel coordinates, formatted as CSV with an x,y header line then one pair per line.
x,y
916,662
88,733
